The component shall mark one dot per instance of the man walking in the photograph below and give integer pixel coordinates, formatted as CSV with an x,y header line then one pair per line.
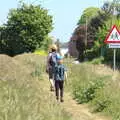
x,y
51,63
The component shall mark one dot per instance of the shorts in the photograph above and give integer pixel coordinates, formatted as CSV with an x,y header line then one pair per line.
x,y
51,73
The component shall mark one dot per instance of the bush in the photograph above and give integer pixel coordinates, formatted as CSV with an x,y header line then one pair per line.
x,y
99,87
90,54
107,100
101,101
97,61
41,52
86,93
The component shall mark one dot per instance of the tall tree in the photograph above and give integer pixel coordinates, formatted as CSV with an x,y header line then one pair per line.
x,y
103,23
80,33
88,14
26,28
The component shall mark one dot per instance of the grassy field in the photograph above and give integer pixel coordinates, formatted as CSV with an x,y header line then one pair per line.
x,y
97,85
22,96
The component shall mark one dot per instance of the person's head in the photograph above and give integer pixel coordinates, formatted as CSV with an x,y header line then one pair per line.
x,y
60,59
53,48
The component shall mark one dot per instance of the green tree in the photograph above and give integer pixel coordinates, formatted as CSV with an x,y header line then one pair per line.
x,y
46,43
80,32
100,47
27,28
88,14
105,20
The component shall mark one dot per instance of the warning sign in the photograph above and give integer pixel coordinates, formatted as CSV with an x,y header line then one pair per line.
x,y
113,36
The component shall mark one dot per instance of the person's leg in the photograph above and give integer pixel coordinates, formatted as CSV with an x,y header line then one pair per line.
x,y
51,79
51,84
61,90
57,89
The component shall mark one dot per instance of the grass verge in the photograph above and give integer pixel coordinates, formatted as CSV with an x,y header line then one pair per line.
x,y
96,85
22,96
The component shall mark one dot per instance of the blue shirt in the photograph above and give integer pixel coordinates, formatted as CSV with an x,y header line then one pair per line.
x,y
59,72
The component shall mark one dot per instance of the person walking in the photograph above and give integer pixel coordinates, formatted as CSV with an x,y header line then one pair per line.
x,y
59,77
51,63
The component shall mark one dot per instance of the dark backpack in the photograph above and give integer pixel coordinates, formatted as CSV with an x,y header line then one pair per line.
x,y
53,59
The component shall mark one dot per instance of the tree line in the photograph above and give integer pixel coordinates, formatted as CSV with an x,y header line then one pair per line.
x,y
92,28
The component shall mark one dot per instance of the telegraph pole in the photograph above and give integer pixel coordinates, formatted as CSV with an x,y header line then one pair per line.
x,y
86,31
114,50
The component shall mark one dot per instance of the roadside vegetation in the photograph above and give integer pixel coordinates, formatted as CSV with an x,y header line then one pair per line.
x,y
92,28
96,85
22,92
40,52
22,95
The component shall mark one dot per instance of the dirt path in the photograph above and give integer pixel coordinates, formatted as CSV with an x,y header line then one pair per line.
x,y
77,111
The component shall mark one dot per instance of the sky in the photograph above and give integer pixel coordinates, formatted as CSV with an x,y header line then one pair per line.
x,y
66,13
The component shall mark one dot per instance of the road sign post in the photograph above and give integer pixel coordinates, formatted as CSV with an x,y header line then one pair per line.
x,y
113,39
114,60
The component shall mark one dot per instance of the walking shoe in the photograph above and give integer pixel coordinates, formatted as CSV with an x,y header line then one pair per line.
x,y
51,89
61,100
57,98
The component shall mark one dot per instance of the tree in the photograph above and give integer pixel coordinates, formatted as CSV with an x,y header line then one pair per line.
x,y
26,29
100,25
88,14
46,43
99,47
80,33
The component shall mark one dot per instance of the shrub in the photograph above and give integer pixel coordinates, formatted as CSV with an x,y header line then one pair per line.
x,y
41,52
86,93
107,99
97,61
99,87
101,101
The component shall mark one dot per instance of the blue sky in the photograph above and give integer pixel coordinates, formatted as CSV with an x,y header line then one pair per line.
x,y
66,13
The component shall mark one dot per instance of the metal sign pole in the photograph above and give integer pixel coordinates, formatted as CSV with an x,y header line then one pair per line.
x,y
114,60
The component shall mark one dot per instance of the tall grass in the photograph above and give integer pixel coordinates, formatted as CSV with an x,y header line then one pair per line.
x,y
96,85
24,96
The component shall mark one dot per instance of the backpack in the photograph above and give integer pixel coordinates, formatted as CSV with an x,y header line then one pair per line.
x,y
53,59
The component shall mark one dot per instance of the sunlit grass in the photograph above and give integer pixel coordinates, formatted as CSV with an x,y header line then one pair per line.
x,y
24,96
82,79
40,52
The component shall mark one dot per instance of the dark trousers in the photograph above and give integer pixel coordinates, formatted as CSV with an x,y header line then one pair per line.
x,y
59,87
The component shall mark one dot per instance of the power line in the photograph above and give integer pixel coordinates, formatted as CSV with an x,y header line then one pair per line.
x,y
35,1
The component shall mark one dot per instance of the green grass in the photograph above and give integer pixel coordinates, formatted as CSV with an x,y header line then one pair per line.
x,y
22,96
96,85
41,52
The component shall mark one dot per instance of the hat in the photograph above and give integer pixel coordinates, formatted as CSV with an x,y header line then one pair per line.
x,y
59,57
54,47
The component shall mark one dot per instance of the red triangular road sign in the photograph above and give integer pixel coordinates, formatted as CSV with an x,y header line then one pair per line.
x,y
113,36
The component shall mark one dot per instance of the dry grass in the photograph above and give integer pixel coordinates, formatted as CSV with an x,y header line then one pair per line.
x,y
23,97
24,91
